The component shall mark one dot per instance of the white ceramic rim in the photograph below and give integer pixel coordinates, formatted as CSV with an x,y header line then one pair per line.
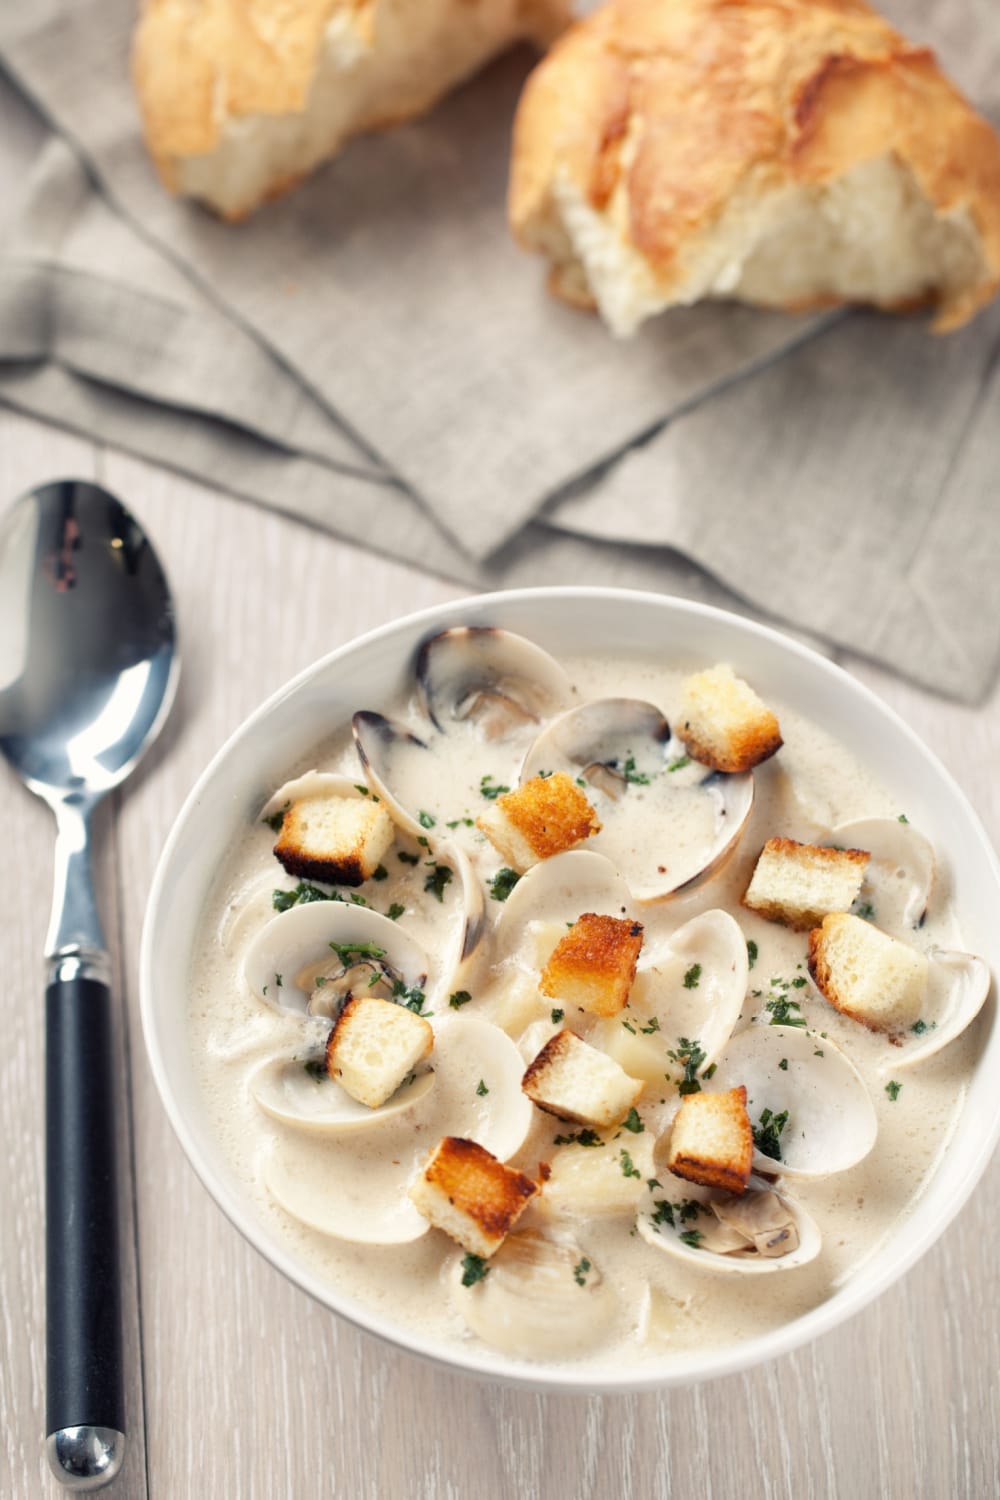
x,y
862,1287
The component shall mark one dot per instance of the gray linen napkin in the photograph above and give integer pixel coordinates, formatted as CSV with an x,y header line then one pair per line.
x,y
373,354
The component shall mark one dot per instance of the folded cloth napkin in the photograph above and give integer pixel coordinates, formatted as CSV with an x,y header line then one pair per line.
x,y
373,354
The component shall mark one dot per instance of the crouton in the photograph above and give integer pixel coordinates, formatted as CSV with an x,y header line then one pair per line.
x,y
866,974
340,840
722,722
593,965
574,1081
472,1196
712,1140
543,817
800,884
373,1045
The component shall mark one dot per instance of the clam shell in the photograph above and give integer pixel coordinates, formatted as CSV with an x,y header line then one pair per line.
x,y
709,1008
542,1297
957,987
457,664
301,937
900,877
286,1091
392,759
655,1230
700,813
309,784
324,1189
832,1123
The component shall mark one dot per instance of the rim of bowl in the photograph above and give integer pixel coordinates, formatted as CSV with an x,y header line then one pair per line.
x,y
846,1300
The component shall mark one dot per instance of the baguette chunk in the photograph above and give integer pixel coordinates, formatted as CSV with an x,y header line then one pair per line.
x,y
866,974
574,1081
722,722
593,965
339,840
472,1196
374,1044
545,816
800,884
712,1140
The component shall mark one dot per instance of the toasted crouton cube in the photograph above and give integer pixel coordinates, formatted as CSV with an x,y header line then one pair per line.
x,y
543,817
593,965
799,884
712,1140
340,840
870,976
571,1079
722,722
472,1196
372,1047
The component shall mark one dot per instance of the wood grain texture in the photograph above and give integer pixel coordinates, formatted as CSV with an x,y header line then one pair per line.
x,y
252,1392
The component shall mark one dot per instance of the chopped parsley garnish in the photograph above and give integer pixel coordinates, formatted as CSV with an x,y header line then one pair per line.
x,y
474,1268
461,823
634,777
580,1271
692,1237
679,763
557,1016
691,1055
491,789
316,1068
437,880
692,977
586,1137
458,999
866,910
544,775
767,1133
919,1027
629,1027
675,1213
380,873
654,1025
751,952
347,952
426,819
277,980
628,1166
503,882
783,1065
632,1122
893,1088
481,1088
407,858
362,789
395,911
275,821
799,982
784,1011
818,1052
903,818
424,843
409,999
358,900
301,895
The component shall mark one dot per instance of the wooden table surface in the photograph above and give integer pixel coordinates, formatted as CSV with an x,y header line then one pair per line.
x,y
240,1387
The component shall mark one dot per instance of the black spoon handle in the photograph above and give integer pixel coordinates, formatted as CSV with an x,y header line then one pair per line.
x,y
83,1298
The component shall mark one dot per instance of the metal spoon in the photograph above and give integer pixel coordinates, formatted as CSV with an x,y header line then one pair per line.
x,y
88,666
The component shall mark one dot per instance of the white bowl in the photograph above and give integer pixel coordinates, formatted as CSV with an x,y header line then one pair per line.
x,y
376,668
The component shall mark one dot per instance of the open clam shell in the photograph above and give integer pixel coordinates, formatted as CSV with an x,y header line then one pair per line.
x,y
492,679
283,960
395,765
900,876
309,784
666,820
679,1218
346,1196
830,1123
300,1094
542,1296
957,987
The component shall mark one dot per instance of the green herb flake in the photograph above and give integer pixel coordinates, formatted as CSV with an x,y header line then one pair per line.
x,y
580,1271
751,952
632,776
491,789
903,818
799,982
783,1065
437,880
692,977
424,843
679,763
919,1027
586,1137
767,1133
426,819
481,1088
357,900
395,911
474,1268
865,910
461,823
784,1012
409,999
557,1016
818,1052
653,1182
278,980
407,858
629,1027
692,1237
654,1025
301,895
458,999
502,883
893,1089
316,1068
632,1122
690,1054
628,1166
347,952
275,821
380,873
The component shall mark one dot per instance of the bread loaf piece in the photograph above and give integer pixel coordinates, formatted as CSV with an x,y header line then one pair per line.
x,y
241,98
791,153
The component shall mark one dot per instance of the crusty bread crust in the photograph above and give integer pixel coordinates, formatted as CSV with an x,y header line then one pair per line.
x,y
724,1117
594,964
472,1196
823,970
603,1103
549,813
657,114
200,65
803,855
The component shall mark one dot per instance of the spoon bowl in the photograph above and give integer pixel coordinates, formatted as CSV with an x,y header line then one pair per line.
x,y
88,668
